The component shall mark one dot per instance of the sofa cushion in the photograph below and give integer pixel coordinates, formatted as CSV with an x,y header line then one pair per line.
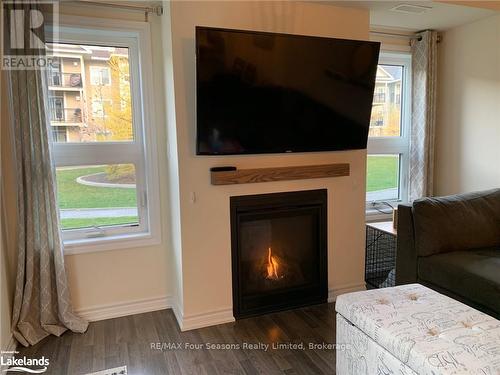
x,y
472,274
457,222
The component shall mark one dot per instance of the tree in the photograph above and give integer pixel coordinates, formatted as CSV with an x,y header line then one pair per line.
x,y
116,121
121,173
394,121
118,114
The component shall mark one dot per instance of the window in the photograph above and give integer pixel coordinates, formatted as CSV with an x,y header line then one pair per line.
x,y
100,76
379,95
388,141
56,105
59,134
105,171
55,72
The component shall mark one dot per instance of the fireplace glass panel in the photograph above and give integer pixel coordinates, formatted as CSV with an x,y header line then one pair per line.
x,y
279,252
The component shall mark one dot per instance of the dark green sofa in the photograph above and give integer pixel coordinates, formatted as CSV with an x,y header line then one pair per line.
x,y
452,245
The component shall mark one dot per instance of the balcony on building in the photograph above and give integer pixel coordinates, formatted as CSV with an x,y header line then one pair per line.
x,y
376,123
65,81
66,117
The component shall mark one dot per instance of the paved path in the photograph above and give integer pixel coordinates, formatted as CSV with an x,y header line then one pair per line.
x,y
90,213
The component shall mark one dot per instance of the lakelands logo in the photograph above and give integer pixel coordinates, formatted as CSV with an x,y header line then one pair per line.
x,y
25,25
23,364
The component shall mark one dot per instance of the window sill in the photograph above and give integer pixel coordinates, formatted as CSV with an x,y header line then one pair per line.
x,y
93,245
372,214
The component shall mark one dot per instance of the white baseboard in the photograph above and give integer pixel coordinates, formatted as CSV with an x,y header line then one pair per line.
x,y
177,310
186,323
222,316
333,293
210,318
116,310
11,347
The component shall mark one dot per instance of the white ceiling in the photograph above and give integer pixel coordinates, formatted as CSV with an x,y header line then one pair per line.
x,y
440,16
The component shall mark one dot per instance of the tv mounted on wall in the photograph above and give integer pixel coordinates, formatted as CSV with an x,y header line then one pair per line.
x,y
273,93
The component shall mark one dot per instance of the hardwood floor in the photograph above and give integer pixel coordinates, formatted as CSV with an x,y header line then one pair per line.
x,y
129,340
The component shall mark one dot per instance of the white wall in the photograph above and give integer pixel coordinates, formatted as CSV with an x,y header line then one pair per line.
x,y
468,108
173,164
205,222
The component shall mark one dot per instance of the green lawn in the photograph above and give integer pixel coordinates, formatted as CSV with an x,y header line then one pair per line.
x,y
71,194
383,172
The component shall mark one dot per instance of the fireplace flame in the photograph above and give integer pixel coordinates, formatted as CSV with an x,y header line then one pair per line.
x,y
272,266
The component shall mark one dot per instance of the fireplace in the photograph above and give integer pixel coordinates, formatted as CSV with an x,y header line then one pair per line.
x,y
279,251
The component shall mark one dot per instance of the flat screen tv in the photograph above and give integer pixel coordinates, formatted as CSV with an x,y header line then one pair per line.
x,y
273,93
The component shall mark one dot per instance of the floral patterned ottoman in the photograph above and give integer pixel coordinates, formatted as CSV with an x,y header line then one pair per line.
x,y
411,329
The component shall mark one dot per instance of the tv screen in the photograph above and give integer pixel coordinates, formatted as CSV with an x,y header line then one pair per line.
x,y
272,93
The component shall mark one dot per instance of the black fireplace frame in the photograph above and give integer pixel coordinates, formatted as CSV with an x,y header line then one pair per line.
x,y
294,297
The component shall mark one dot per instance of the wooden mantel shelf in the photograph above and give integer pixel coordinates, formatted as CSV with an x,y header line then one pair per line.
x,y
248,176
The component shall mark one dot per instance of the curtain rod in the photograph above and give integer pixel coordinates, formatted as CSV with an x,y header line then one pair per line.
x,y
158,10
402,36
395,35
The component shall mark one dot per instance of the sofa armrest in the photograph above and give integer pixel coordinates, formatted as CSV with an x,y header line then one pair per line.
x,y
406,255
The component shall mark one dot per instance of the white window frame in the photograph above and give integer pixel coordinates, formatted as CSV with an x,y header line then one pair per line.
x,y
395,145
96,72
142,151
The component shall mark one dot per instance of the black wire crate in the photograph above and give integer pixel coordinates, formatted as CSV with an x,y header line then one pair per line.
x,y
380,260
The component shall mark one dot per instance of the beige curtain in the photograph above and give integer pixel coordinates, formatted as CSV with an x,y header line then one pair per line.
x,y
424,67
41,302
